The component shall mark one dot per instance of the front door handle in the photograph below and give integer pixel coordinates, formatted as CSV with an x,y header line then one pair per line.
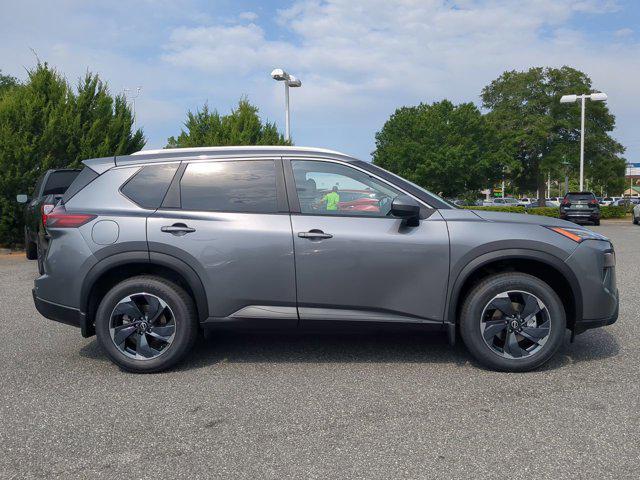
x,y
314,235
178,229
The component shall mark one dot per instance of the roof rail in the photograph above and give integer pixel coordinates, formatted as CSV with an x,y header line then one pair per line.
x,y
256,148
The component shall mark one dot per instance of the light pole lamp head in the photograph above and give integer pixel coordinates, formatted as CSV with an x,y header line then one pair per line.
x,y
568,98
279,75
598,97
294,82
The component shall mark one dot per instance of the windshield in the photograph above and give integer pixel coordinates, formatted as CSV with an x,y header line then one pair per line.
x,y
581,196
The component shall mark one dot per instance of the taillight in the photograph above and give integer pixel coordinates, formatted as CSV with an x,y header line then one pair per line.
x,y
566,202
593,202
60,218
45,210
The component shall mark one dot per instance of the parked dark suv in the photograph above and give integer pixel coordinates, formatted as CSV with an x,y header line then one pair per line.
x,y
147,249
580,207
48,189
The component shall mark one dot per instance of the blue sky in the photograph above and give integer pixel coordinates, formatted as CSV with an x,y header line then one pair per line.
x,y
358,60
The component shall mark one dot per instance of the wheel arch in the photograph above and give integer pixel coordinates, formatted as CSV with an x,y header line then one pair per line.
x,y
112,269
545,266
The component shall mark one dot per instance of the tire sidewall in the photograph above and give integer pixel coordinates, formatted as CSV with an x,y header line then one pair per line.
x,y
482,294
183,311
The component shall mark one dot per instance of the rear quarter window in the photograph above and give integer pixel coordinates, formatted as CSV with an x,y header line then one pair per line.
x,y
82,179
149,185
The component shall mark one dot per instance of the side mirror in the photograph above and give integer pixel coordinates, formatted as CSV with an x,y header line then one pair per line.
x,y
22,198
403,206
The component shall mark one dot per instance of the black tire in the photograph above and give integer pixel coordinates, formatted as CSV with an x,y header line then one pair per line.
x,y
634,218
479,298
184,313
596,223
31,248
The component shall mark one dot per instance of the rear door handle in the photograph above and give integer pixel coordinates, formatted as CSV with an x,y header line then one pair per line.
x,y
178,229
314,235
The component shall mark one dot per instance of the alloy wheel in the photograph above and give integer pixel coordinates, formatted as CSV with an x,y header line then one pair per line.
x,y
515,324
142,326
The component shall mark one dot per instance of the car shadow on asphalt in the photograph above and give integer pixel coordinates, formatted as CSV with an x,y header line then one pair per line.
x,y
218,347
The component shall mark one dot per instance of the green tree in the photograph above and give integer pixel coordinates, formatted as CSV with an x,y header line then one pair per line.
x,y
541,133
444,147
241,127
7,82
44,123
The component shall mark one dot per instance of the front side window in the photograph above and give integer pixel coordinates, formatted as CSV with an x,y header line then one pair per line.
x,y
327,188
247,186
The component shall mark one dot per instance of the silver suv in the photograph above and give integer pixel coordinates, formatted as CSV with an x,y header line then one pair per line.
x,y
148,249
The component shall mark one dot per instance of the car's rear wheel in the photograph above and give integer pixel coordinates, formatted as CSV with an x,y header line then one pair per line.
x,y
512,322
31,249
146,324
635,219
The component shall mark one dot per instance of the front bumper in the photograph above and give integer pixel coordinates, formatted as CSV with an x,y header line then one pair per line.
x,y
586,324
63,314
595,272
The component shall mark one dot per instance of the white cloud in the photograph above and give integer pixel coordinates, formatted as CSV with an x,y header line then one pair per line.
x,y
250,16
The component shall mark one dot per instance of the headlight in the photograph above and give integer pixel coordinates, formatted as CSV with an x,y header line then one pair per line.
x,y
578,234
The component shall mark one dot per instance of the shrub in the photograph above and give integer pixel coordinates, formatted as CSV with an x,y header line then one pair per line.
x,y
605,211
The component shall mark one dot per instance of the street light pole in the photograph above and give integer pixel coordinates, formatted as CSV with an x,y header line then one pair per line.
x,y
133,103
582,143
287,120
596,97
289,81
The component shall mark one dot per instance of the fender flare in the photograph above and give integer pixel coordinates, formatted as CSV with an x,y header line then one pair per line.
x,y
512,253
143,257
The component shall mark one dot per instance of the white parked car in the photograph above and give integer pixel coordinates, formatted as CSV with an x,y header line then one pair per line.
x,y
501,202
635,215
524,202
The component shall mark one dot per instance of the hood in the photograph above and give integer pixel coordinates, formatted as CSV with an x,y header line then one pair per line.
x,y
505,217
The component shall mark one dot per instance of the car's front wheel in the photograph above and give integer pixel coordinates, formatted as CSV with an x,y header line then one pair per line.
x,y
512,322
146,324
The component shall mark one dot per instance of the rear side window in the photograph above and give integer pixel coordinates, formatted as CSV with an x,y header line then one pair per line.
x,y
148,187
234,186
36,189
84,178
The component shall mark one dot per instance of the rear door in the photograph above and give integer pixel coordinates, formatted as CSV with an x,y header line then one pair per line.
x,y
362,265
229,221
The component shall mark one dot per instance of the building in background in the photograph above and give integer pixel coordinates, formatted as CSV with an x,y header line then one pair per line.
x,y
632,179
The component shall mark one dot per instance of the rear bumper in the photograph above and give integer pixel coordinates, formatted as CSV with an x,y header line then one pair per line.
x,y
63,314
578,214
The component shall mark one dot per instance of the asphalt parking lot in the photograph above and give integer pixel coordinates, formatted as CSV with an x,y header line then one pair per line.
x,y
373,405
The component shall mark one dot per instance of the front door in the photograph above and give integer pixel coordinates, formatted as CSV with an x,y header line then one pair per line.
x,y
231,225
354,261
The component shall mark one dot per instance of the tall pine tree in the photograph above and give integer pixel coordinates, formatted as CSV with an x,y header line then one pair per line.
x,y
44,123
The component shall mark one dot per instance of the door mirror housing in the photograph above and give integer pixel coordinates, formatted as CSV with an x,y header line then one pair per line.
x,y
405,207
22,198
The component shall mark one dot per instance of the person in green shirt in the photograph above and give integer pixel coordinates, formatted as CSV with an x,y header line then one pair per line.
x,y
332,199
